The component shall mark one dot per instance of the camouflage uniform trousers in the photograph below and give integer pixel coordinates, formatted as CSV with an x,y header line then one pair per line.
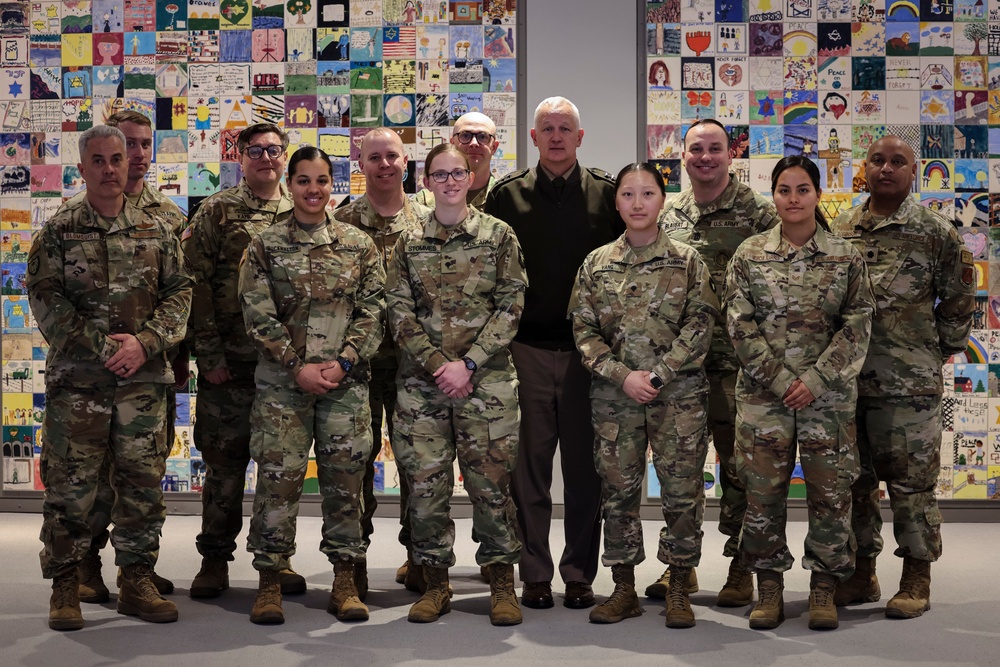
x,y
676,430
481,429
80,426
766,437
899,440
222,434
284,424
100,516
722,423
382,398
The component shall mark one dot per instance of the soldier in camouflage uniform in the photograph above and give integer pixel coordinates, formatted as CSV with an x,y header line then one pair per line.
x,y
475,134
213,246
455,292
924,283
714,216
312,290
383,212
643,311
138,131
799,311
111,297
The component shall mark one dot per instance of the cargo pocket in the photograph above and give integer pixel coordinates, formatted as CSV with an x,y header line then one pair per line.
x,y
346,440
269,440
606,455
743,452
849,465
691,426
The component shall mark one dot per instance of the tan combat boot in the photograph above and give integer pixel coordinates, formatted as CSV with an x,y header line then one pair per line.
x,y
401,571
361,579
769,611
344,601
212,578
92,586
436,599
64,605
413,580
914,596
738,589
504,608
163,585
267,605
861,587
658,589
679,612
623,603
138,596
822,611
292,583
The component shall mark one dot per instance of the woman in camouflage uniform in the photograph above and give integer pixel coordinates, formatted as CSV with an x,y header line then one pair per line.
x,y
313,294
643,311
799,308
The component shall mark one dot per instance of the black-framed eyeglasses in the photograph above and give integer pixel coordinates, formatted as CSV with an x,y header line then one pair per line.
x,y
442,176
273,151
481,137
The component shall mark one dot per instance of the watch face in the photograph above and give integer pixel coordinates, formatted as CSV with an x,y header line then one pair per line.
x,y
470,364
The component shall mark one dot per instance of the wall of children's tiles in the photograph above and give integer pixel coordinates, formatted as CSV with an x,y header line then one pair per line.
x,y
324,70
826,78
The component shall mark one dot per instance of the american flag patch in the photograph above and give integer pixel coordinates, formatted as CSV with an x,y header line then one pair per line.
x,y
399,42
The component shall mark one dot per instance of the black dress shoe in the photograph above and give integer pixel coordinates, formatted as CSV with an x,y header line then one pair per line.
x,y
579,595
537,595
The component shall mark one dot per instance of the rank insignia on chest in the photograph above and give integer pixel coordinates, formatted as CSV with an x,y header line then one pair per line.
x,y
870,253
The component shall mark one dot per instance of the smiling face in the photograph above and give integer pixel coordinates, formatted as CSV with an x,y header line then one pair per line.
x,y
310,187
383,162
104,168
639,200
707,159
265,172
557,134
796,197
451,192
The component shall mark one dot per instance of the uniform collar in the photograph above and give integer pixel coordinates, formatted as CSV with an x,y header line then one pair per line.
x,y
862,217
777,245
435,230
685,201
391,225
252,201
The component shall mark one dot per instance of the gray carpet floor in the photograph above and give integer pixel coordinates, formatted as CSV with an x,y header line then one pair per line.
x,y
962,628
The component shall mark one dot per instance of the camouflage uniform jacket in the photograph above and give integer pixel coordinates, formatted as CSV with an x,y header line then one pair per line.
x,y
154,202
88,278
648,309
924,283
213,245
426,198
312,299
798,314
716,230
456,292
384,232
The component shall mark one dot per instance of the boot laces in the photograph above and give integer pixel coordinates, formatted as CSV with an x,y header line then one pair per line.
x,y
64,592
142,581
737,577
270,591
821,595
677,593
768,594
502,585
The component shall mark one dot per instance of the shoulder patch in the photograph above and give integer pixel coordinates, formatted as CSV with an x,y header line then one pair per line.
x,y
512,176
967,257
601,174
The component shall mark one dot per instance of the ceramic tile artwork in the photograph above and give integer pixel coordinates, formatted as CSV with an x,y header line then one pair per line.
x,y
202,70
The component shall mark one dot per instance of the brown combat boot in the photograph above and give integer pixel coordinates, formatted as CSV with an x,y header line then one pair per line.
x,y
914,596
769,611
212,578
361,579
658,589
92,586
344,601
64,605
738,589
623,603
413,580
504,609
436,599
267,605
679,612
861,587
163,585
822,610
292,583
401,571
138,596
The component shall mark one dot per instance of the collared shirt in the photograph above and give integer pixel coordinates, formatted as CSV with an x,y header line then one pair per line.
x,y
646,309
924,280
89,278
213,246
798,313
716,230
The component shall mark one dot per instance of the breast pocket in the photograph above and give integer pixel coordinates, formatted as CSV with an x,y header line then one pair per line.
x,y
84,266
907,278
482,278
145,253
831,286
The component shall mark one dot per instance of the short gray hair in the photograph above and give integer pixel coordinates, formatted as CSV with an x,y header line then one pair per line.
x,y
550,104
99,132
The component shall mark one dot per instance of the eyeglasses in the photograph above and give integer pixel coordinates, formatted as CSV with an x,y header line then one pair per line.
x,y
255,152
442,176
481,137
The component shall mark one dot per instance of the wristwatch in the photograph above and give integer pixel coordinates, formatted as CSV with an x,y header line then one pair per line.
x,y
655,380
470,364
346,364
